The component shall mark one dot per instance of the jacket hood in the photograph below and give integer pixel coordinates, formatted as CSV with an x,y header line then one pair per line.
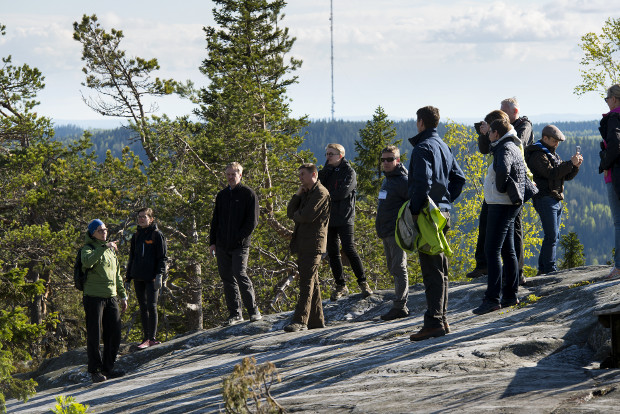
x,y
399,170
511,135
88,239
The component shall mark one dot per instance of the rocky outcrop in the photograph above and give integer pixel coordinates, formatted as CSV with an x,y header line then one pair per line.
x,y
541,357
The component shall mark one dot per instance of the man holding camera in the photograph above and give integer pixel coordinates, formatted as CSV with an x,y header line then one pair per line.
x,y
550,172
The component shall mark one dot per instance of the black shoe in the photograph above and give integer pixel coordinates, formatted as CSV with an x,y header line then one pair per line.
x,y
487,307
97,377
395,314
477,272
510,303
115,373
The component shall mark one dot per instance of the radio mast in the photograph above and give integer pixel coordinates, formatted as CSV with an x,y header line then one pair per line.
x,y
331,28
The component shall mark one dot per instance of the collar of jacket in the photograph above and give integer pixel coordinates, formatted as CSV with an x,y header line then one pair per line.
x,y
424,135
509,136
398,171
150,227
343,163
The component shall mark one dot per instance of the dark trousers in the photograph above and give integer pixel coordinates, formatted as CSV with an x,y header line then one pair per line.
x,y
103,321
309,309
238,287
435,277
480,255
500,247
347,239
147,300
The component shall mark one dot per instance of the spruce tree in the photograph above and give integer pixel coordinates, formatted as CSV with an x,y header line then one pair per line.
x,y
573,251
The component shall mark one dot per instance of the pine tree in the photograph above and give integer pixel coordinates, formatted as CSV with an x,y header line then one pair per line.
x,y
573,251
376,135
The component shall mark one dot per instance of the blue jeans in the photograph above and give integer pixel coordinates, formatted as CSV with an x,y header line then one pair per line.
x,y
550,211
499,246
614,205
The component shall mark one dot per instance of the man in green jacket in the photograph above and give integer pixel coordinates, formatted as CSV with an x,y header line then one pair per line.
x,y
102,289
309,209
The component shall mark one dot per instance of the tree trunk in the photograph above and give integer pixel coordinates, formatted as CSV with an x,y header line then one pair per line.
x,y
194,276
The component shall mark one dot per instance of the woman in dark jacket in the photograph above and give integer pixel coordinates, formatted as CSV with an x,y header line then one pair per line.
x,y
146,267
506,188
610,165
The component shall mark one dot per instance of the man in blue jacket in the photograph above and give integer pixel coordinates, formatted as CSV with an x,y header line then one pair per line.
x,y
235,217
393,194
435,174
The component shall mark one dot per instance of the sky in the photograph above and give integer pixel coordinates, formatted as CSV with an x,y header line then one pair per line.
x,y
463,57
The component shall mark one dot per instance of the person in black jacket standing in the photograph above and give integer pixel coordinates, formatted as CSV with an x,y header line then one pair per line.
x,y
393,194
341,181
146,267
235,217
550,172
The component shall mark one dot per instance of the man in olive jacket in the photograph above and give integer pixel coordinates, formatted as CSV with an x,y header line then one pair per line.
x,y
103,288
309,209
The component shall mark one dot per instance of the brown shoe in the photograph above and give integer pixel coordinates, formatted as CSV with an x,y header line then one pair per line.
x,y
366,290
446,327
426,333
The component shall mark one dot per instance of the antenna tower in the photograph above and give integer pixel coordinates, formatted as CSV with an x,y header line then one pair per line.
x,y
331,28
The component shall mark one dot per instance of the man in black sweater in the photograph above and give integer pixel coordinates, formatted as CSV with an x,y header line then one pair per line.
x,y
235,217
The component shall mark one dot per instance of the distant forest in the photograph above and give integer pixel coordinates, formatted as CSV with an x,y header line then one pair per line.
x,y
588,210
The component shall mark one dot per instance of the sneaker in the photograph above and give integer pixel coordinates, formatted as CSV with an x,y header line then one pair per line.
x,y
614,274
115,373
295,327
153,342
256,317
510,303
487,307
366,290
477,272
339,292
233,320
426,333
97,377
395,314
144,344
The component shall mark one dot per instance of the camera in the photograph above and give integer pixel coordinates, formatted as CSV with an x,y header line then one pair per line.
x,y
477,126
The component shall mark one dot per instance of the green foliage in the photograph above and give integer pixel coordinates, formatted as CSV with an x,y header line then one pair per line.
x,y
68,405
601,53
573,251
376,135
247,389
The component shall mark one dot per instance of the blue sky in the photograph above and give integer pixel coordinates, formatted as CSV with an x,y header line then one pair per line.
x,y
461,56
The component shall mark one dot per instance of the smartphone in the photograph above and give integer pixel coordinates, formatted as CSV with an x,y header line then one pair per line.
x,y
577,150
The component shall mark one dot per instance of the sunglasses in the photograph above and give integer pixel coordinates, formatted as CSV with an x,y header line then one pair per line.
x,y
388,159
330,154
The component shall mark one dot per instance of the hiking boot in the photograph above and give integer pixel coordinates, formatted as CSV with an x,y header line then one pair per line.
x,y
115,373
295,327
426,333
395,314
233,320
477,272
256,317
340,292
97,377
446,327
510,303
486,307
366,290
144,344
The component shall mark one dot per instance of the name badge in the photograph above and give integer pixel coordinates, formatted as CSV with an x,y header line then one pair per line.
x,y
382,195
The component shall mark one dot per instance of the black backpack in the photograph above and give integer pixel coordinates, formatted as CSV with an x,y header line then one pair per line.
x,y
79,276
